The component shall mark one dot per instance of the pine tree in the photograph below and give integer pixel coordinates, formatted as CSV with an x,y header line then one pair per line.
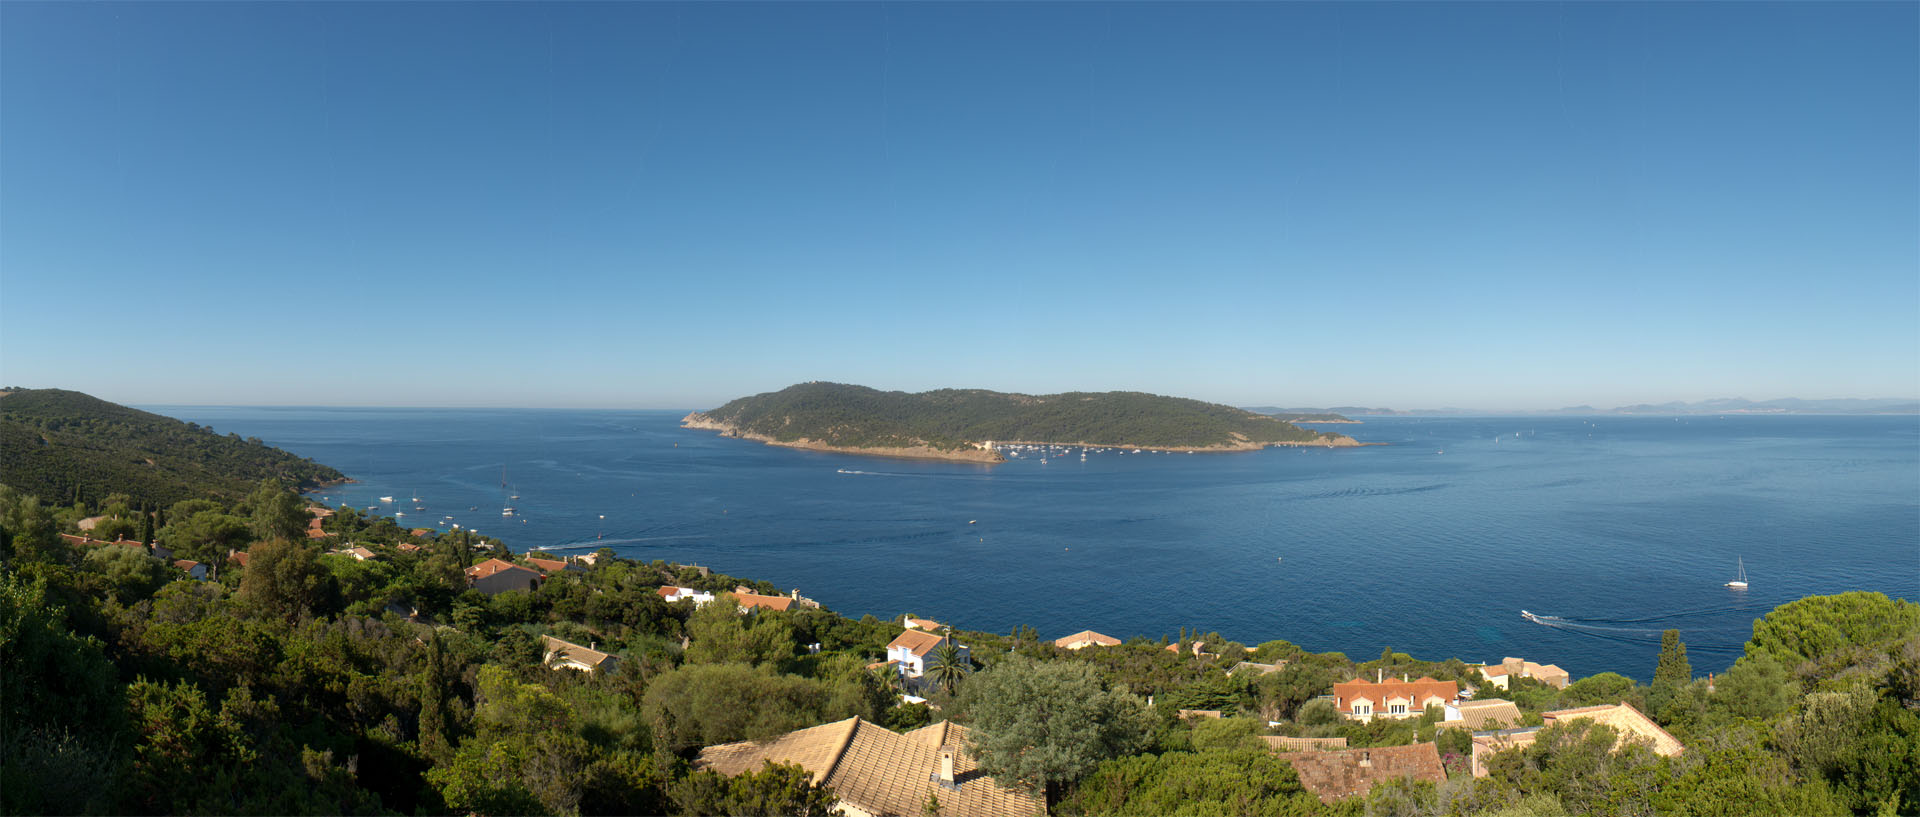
x,y
1671,676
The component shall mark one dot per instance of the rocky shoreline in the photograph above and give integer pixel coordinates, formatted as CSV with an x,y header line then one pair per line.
x,y
698,420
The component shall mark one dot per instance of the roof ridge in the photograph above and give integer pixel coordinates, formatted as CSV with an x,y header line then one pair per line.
x,y
839,750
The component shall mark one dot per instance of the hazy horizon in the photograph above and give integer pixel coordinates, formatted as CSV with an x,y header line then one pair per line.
x,y
658,205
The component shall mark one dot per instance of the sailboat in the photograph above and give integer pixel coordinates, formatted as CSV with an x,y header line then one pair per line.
x,y
508,510
1741,582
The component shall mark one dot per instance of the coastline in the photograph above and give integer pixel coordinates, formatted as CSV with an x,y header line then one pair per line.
x,y
698,420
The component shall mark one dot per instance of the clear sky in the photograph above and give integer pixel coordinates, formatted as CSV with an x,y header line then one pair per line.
x,y
1492,205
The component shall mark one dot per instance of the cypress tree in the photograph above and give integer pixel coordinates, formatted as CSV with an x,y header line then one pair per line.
x,y
1670,677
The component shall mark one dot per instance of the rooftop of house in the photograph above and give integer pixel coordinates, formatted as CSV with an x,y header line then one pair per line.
x,y
185,564
880,771
492,567
550,565
1282,743
757,601
569,651
1624,719
420,532
1087,637
918,642
921,623
1335,774
1481,715
407,547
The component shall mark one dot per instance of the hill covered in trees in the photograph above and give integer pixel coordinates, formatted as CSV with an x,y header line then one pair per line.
x,y
957,421
64,446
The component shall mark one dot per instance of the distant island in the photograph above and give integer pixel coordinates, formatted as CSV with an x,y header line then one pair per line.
x,y
964,424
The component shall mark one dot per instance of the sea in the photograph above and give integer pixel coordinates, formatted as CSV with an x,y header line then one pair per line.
x,y
1610,529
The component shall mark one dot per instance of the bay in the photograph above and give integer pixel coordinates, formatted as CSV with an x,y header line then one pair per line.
x,y
1432,544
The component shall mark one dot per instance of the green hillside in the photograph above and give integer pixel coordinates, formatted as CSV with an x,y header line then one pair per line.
x,y
64,446
860,417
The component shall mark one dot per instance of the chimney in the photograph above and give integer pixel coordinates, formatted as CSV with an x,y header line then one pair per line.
x,y
1380,675
946,765
1366,760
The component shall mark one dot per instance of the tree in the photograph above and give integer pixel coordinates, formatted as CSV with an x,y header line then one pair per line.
x,y
205,535
284,579
276,512
27,531
1042,724
1813,637
777,790
1671,676
1756,687
949,667
132,574
1239,782
704,704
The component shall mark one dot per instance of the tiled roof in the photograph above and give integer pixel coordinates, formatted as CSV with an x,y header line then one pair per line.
x,y
186,564
916,641
755,600
1333,775
548,565
420,532
493,566
922,623
1087,638
1416,691
1624,719
569,651
407,547
880,771
1480,715
1282,743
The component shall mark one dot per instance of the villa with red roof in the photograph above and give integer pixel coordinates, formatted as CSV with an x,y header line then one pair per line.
x,y
1363,700
911,648
497,576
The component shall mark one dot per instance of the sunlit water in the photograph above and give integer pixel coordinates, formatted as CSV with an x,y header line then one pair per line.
x,y
1618,526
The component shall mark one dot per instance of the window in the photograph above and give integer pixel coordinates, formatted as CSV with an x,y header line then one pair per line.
x,y
1397,709
1363,709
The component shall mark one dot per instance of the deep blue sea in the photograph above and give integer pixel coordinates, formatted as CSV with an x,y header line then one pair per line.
x,y
1619,526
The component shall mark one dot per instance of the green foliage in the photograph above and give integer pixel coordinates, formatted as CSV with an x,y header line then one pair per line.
x,y
1237,781
1670,678
1605,688
1757,687
704,704
132,574
284,579
67,446
1045,723
860,417
1818,636
204,535
773,791
948,667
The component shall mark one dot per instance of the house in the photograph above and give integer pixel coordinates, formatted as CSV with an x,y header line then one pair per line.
x,y
360,553
79,541
927,624
568,655
192,568
407,547
1363,700
1084,639
1623,718
1283,744
497,576
1481,716
1508,668
238,557
314,531
1198,648
420,533
912,647
1196,714
876,771
552,566
1256,667
673,594
1336,774
750,602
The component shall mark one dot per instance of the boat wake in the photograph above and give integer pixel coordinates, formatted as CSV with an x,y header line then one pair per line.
x,y
1621,630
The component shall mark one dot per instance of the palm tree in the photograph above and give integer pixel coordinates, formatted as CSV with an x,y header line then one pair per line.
x,y
888,679
948,667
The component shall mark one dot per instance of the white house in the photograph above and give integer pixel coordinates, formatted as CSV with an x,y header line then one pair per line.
x,y
912,649
672,594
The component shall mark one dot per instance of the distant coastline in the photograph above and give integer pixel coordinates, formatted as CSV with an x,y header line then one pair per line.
x,y
701,421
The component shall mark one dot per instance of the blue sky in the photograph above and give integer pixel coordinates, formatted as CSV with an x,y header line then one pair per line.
x,y
652,205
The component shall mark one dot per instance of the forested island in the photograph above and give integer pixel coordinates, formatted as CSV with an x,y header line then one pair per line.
x,y
333,663
957,424
66,447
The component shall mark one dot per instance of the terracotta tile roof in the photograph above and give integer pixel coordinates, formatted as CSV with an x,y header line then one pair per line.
x,y
755,600
922,623
362,554
316,533
880,771
420,532
407,547
918,642
493,566
1492,713
1282,743
1417,692
550,565
78,541
239,556
1624,719
186,564
1333,775
1086,638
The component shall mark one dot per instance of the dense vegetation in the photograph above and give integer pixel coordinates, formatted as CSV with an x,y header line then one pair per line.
x,y
860,417
65,447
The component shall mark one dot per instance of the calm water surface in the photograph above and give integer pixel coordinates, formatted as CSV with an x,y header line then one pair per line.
x,y
1619,526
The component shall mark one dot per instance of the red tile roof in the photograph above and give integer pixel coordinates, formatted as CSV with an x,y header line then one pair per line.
x,y
1416,691
1333,775
917,642
492,566
755,600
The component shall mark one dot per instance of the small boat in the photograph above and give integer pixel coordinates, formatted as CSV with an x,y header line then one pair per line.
x,y
506,511
1529,616
1741,582
386,499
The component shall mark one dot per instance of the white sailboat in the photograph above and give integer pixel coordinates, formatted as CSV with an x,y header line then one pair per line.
x,y
1741,582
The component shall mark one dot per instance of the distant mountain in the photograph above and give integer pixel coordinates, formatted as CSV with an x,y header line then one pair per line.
x,y
1787,405
954,423
1339,413
64,446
